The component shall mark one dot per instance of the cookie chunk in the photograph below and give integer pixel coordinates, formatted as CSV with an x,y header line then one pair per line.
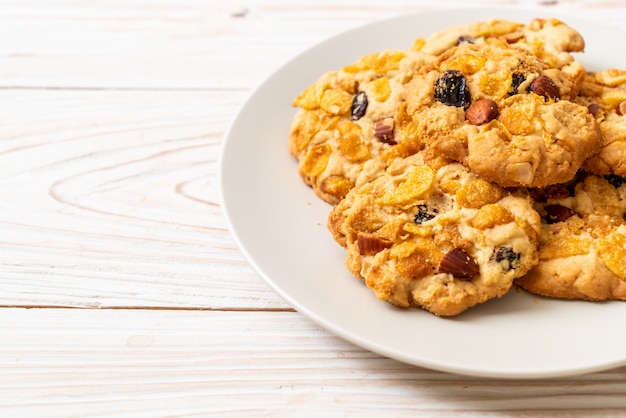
x,y
505,114
548,39
583,241
605,94
430,233
351,123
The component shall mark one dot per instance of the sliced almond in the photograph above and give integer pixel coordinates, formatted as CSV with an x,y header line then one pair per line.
x,y
459,264
370,244
383,131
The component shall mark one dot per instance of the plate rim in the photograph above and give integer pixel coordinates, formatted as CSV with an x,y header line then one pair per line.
x,y
331,326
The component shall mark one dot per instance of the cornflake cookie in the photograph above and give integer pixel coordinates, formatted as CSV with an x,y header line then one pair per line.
x,y
583,242
429,233
605,94
502,112
352,122
548,39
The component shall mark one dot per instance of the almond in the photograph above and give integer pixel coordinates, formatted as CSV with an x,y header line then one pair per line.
x,y
596,110
459,264
621,108
544,86
370,244
481,111
513,37
383,131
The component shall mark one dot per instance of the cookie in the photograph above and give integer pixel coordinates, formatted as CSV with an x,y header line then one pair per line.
x,y
505,114
550,40
583,241
352,122
605,94
430,233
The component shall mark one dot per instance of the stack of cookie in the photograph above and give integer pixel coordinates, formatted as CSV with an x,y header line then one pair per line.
x,y
482,157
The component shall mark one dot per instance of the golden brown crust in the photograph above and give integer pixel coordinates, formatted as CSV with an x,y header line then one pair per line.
x,y
581,258
509,102
559,138
429,233
550,40
336,152
605,93
535,136
338,147
583,242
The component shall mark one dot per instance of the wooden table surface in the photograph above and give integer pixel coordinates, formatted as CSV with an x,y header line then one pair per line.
x,y
122,291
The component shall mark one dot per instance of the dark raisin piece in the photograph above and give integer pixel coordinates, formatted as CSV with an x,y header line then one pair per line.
x,y
556,191
570,186
557,213
505,255
518,79
451,89
538,195
615,180
465,38
359,105
423,214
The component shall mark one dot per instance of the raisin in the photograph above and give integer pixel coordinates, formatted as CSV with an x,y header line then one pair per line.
x,y
615,180
570,186
554,191
423,214
557,191
465,38
505,255
359,105
518,79
451,89
557,213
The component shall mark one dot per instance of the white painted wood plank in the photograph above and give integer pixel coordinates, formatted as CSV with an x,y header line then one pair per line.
x,y
111,199
141,363
194,43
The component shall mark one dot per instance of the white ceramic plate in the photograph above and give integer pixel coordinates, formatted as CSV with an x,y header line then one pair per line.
x,y
280,226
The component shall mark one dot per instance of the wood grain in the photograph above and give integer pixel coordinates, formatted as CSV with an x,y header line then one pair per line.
x,y
110,199
194,44
122,292
120,362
